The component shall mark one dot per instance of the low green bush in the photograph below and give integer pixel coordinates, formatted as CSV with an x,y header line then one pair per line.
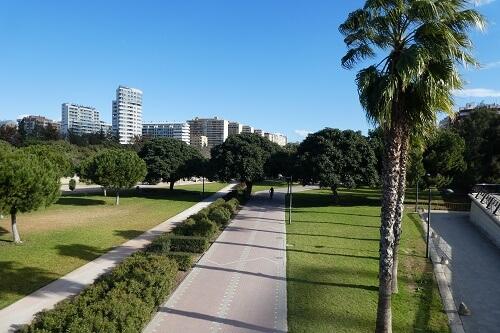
x,y
72,184
217,203
204,228
184,260
220,215
201,214
120,301
185,228
160,244
233,205
191,244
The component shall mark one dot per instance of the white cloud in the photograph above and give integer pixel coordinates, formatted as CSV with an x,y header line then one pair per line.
x,y
477,92
302,133
479,3
491,65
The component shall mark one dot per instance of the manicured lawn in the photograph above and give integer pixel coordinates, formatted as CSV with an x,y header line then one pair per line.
x,y
79,228
332,266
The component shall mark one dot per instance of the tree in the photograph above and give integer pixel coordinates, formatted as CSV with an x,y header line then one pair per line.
x,y
376,140
169,160
114,169
244,157
420,43
60,159
336,158
283,162
443,158
481,133
10,134
27,182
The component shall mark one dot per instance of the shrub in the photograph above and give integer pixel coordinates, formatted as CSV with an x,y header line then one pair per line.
x,y
233,205
220,215
191,244
160,244
217,203
120,301
186,228
72,184
201,214
204,228
184,259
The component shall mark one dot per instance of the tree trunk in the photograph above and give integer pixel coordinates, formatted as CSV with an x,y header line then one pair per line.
x,y
335,193
390,178
398,221
172,182
117,200
105,192
248,189
15,232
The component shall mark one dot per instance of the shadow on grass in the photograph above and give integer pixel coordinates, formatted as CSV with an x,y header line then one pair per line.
x,y
337,223
345,199
5,232
128,234
423,314
21,280
80,251
288,279
79,201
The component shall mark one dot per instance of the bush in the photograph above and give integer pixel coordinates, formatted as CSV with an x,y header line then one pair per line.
x,y
184,259
233,205
204,228
220,215
160,244
120,301
186,228
191,244
217,203
201,214
72,184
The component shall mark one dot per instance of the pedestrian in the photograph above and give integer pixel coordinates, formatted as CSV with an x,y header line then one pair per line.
x,y
271,193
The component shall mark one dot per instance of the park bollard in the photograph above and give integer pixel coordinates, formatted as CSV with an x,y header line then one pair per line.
x,y
463,310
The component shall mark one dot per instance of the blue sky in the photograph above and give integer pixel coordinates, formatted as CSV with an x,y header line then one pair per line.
x,y
273,64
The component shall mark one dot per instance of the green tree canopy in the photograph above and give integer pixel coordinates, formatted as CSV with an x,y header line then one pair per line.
x,y
334,158
114,169
27,182
283,161
243,157
169,160
443,157
60,159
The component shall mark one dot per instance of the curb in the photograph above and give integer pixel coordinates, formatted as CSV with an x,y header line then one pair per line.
x,y
454,320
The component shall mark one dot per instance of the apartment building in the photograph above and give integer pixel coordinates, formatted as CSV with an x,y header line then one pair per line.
x,y
259,132
29,123
278,138
216,130
247,129
127,114
179,131
79,119
234,128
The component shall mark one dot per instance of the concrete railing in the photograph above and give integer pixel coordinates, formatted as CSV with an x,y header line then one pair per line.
x,y
484,212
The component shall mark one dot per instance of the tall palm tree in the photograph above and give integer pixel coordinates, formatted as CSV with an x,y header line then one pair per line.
x,y
418,45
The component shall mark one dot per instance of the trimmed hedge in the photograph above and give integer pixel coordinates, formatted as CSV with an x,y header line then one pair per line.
x,y
233,205
160,244
191,244
120,301
184,260
203,227
220,215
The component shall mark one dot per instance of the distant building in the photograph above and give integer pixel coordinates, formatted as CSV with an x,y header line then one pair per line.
x,y
216,130
247,129
259,132
105,127
179,131
278,138
200,142
31,122
79,119
8,123
467,110
234,128
127,114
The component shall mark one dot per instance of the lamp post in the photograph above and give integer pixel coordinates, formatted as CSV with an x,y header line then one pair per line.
x,y
289,192
428,176
416,200
203,187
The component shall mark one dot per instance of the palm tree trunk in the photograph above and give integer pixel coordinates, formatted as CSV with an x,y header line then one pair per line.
x,y
390,178
398,226
15,232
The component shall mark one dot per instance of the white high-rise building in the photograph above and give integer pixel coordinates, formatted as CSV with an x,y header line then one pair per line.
x,y
127,114
179,131
234,128
259,132
247,129
215,129
278,138
79,119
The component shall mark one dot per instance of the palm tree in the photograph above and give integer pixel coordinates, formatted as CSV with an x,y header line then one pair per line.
x,y
419,45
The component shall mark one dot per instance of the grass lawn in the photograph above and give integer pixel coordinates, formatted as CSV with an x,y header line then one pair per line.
x,y
79,228
332,267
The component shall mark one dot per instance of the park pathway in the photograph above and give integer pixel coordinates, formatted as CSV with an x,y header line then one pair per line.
x,y
473,269
22,311
239,285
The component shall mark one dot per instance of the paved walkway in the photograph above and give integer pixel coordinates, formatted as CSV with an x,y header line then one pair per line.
x,y
22,311
474,269
239,285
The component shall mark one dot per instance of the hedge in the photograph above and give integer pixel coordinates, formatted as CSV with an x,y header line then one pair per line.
x,y
160,244
220,215
184,260
120,301
193,244
202,227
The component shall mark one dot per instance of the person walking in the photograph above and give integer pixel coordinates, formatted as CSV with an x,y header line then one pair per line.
x,y
271,193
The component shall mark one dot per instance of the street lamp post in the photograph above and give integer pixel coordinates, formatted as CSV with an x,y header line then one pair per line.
x,y
289,192
428,216
416,200
203,187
